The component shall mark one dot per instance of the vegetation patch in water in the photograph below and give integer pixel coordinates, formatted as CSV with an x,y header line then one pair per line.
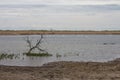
x,y
38,54
7,56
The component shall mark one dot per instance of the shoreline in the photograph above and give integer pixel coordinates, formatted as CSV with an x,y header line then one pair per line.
x,y
45,32
64,70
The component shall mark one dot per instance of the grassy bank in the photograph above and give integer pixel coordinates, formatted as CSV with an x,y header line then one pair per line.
x,y
37,32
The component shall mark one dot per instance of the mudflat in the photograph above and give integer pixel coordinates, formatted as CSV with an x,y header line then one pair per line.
x,y
64,71
37,32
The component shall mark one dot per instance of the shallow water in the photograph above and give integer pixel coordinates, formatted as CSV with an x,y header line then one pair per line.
x,y
97,48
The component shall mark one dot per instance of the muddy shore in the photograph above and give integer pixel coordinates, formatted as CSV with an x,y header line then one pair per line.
x,y
64,71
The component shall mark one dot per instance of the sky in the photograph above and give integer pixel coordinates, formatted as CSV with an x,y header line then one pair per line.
x,y
66,2
60,14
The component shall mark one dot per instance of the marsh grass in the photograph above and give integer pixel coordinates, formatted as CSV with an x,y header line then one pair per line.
x,y
7,56
38,54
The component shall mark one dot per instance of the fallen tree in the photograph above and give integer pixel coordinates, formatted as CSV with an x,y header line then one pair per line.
x,y
37,46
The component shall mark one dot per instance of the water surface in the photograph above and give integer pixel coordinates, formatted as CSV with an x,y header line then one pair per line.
x,y
96,48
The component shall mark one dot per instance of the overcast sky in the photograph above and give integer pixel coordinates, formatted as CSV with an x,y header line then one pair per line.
x,y
60,14
60,2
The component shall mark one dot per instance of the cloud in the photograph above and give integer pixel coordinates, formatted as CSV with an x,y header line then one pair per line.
x,y
59,14
51,9
65,2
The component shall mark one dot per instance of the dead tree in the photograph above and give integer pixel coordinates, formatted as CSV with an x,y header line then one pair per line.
x,y
36,46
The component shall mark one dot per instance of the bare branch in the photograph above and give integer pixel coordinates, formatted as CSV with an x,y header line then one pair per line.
x,y
36,46
39,41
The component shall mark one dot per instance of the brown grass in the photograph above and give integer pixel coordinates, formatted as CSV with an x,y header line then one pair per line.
x,y
37,32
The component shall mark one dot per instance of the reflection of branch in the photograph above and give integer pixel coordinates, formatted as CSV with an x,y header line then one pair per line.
x,y
36,46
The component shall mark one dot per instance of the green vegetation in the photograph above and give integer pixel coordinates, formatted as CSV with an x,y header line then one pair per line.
x,y
7,56
38,54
